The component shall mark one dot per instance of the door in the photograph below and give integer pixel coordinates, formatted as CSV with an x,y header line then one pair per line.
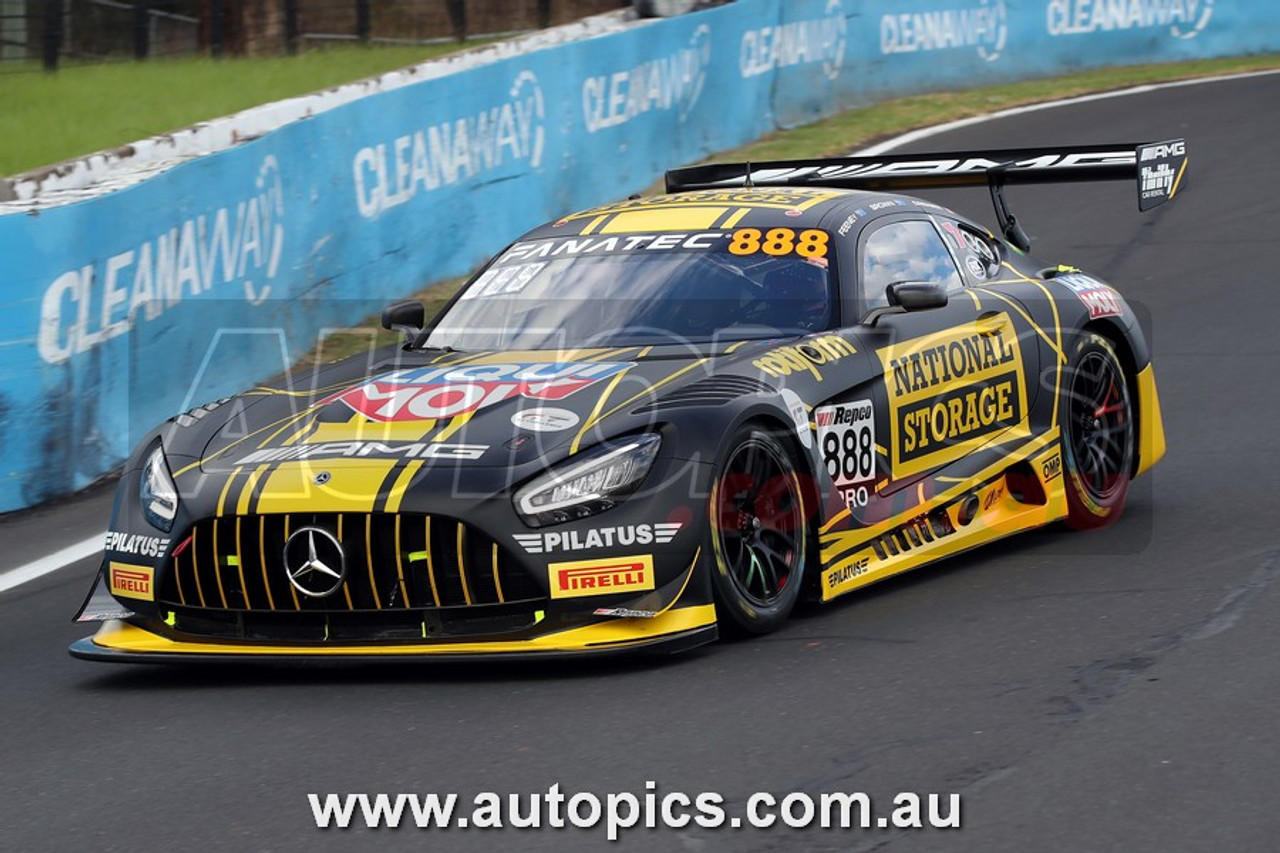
x,y
950,381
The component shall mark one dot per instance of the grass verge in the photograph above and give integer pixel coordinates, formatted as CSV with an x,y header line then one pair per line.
x,y
48,118
369,335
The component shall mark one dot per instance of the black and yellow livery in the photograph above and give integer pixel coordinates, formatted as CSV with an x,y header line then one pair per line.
x,y
649,422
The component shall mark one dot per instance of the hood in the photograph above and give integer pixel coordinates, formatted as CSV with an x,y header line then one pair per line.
x,y
481,409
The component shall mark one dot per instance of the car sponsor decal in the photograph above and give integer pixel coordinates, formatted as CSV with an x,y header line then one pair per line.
x,y
952,391
772,198
582,578
133,543
799,416
600,537
502,281
780,242
1042,162
847,441
809,356
365,450
568,247
1051,468
1160,167
132,581
544,420
428,393
847,571
624,613
850,221
1100,299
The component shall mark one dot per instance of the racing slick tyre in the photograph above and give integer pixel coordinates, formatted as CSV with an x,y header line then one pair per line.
x,y
1097,433
760,535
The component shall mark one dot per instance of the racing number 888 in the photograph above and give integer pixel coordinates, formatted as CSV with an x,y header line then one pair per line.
x,y
847,442
849,455
810,243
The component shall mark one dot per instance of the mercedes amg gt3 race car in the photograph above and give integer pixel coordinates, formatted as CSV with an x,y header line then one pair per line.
x,y
652,421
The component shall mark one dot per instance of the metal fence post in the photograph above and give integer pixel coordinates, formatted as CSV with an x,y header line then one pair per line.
x,y
458,17
141,29
52,33
216,27
291,26
363,24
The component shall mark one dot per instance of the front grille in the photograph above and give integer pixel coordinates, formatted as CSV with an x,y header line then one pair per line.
x,y
396,566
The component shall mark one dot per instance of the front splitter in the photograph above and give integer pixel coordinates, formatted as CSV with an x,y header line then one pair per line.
x,y
674,631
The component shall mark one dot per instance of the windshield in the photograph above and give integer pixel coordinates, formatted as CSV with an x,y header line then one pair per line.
x,y
635,289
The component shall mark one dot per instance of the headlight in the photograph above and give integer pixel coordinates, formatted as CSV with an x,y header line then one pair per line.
x,y
158,494
587,486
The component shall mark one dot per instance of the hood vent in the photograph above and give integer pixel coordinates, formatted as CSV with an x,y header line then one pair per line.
x,y
712,391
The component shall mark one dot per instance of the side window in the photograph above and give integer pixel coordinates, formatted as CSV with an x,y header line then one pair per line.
x,y
976,253
905,251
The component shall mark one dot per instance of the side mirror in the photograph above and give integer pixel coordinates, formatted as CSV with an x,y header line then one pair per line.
x,y
916,295
408,317
906,296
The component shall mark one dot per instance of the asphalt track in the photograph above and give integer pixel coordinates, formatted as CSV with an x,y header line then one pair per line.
x,y
1112,691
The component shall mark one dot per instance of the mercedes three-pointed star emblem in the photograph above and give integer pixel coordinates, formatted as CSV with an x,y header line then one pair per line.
x,y
314,562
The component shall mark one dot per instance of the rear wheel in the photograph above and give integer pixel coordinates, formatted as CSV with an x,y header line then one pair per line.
x,y
1097,434
759,534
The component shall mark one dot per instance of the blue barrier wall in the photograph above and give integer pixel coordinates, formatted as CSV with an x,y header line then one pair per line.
x,y
121,310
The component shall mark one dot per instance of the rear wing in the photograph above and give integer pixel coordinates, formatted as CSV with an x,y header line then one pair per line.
x,y
1157,168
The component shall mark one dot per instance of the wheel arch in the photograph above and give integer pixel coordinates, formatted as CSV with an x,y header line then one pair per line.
x,y
781,428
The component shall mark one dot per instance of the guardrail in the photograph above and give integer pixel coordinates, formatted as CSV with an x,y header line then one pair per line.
x,y
124,306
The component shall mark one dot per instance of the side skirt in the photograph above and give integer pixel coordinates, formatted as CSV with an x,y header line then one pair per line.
x,y
1024,496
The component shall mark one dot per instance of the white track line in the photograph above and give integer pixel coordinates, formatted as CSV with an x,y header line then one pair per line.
x,y
53,562
926,132
93,545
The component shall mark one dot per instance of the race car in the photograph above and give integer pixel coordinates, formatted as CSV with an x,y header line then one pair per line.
x,y
653,422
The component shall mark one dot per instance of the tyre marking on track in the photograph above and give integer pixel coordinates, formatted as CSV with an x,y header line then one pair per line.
x,y
51,563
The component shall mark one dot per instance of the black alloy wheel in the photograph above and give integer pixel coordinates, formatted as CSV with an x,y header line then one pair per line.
x,y
760,534
1098,434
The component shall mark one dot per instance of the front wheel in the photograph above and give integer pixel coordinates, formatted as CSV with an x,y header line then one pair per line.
x,y
1097,434
759,534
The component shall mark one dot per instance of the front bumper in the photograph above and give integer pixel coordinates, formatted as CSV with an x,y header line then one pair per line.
x,y
1150,421
675,630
